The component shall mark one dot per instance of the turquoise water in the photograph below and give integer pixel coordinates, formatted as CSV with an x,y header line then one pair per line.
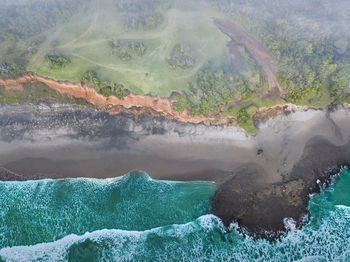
x,y
136,218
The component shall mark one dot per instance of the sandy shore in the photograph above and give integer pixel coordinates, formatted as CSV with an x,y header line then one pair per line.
x,y
70,141
260,179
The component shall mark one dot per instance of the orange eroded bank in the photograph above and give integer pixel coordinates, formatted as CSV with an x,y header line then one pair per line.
x,y
133,103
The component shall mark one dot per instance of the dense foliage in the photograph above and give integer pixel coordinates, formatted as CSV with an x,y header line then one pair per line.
x,y
309,39
21,28
57,61
106,88
13,67
33,17
127,49
213,89
181,57
140,15
243,116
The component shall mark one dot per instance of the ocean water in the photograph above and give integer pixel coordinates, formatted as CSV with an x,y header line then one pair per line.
x,y
136,218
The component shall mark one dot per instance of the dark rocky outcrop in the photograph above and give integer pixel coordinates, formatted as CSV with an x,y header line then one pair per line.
x,y
261,207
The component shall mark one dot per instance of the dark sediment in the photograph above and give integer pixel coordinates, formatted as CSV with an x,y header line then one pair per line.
x,y
260,207
110,141
260,180
7,175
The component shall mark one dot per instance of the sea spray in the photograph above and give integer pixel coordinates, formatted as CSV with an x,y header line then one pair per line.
x,y
33,212
325,237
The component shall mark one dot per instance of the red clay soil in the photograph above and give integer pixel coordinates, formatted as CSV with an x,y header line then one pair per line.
x,y
135,104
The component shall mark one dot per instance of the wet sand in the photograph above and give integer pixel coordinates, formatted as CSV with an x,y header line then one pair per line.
x,y
75,142
260,179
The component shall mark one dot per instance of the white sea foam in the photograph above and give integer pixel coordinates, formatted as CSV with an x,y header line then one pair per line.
x,y
289,223
190,243
325,237
312,259
58,250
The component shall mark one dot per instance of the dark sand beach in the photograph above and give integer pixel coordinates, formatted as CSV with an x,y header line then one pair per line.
x,y
261,179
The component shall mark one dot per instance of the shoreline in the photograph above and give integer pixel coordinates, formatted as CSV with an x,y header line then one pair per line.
x,y
260,179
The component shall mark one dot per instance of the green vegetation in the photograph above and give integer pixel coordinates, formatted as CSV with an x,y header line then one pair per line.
x,y
313,56
180,102
57,61
35,93
23,20
214,88
311,70
106,88
243,116
139,59
21,27
11,68
208,75
126,50
181,57
140,15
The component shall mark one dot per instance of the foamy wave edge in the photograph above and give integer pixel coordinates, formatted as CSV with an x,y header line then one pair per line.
x,y
58,250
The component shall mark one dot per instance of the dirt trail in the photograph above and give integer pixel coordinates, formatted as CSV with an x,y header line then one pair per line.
x,y
254,48
117,68
45,47
133,104
85,33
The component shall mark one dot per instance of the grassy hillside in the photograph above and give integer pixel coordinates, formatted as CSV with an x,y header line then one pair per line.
x,y
173,48
89,45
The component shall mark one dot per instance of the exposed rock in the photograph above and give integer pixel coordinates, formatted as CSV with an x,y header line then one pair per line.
x,y
132,103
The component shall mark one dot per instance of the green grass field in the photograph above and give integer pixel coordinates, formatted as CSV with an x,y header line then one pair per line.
x,y
87,44
160,46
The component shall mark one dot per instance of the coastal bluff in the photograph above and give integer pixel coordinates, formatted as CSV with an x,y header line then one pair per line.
x,y
261,180
132,103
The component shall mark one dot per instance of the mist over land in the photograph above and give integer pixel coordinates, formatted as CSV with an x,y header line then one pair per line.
x,y
174,48
252,95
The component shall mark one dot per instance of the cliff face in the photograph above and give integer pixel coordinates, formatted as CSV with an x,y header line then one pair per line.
x,y
260,179
135,104
146,105
265,113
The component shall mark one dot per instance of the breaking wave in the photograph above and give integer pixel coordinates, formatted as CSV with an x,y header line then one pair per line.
x,y
136,218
